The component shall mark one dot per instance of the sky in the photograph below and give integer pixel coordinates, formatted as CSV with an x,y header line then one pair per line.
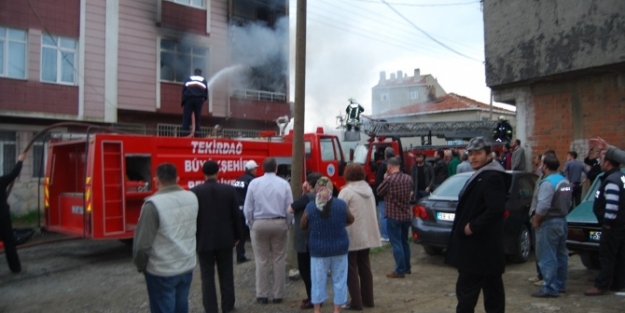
x,y
350,41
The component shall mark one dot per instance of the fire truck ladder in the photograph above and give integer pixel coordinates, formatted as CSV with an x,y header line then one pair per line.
x,y
449,130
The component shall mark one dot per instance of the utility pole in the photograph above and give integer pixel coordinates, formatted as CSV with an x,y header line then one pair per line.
x,y
490,116
297,167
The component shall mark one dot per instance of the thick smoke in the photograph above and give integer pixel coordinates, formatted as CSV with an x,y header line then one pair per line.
x,y
263,51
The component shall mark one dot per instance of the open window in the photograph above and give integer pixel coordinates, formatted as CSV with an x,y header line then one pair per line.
x,y
284,168
138,173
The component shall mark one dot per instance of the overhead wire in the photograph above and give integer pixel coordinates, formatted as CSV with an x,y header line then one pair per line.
x,y
428,35
374,17
423,4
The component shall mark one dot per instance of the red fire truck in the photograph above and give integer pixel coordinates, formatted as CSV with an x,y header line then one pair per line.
x,y
94,187
384,134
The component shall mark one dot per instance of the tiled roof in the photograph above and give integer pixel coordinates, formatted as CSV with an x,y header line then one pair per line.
x,y
448,102
407,81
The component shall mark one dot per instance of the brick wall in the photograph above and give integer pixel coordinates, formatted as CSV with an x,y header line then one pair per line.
x,y
185,18
568,112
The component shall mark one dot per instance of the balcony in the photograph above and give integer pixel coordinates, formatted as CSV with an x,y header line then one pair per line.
x,y
258,105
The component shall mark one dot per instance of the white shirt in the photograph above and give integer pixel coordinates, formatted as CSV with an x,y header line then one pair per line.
x,y
268,196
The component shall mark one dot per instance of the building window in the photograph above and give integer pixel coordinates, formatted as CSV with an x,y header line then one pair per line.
x,y
7,151
39,151
193,3
58,59
414,95
12,52
178,60
384,96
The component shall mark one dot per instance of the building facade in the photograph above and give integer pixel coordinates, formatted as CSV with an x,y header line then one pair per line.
x,y
401,90
123,63
563,65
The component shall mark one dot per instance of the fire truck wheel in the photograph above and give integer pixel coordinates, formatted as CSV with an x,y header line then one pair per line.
x,y
127,241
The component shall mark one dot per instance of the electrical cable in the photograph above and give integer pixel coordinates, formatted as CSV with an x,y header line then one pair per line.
x,y
422,4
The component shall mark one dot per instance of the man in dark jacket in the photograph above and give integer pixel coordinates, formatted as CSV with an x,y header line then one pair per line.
x,y
422,177
353,111
476,241
6,228
218,231
194,93
241,185
389,152
503,130
609,208
440,168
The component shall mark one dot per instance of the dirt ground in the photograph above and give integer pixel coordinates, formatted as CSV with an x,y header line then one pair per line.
x,y
98,276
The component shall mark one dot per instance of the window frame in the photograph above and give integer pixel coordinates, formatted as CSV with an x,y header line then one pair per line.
x,y
322,148
175,52
190,4
44,145
5,61
414,95
384,96
59,59
3,143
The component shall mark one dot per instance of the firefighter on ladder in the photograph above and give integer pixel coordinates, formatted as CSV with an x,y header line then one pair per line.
x,y
353,111
503,131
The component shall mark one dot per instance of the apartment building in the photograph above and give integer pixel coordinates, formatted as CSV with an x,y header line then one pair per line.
x,y
122,63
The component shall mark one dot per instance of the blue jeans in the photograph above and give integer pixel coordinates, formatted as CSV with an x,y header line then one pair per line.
x,y
383,231
319,267
169,294
398,236
552,254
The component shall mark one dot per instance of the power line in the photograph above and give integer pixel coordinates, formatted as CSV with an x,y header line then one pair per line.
x,y
375,19
423,4
428,35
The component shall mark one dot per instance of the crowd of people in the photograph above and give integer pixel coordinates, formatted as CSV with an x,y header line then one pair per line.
x,y
334,231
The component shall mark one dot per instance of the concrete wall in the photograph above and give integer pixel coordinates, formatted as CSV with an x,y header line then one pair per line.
x,y
528,39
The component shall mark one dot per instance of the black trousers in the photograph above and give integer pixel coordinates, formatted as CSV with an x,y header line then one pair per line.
x,y
245,237
468,289
191,105
576,194
6,235
303,264
612,259
225,270
360,279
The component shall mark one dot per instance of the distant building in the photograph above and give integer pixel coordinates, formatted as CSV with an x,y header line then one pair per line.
x,y
122,63
401,90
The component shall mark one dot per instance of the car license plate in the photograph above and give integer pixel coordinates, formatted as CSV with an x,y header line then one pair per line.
x,y
594,235
445,216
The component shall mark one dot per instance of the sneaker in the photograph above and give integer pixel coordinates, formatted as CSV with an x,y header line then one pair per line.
x,y
539,283
384,239
533,279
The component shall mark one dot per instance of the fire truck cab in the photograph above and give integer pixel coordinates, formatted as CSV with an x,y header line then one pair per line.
x,y
95,187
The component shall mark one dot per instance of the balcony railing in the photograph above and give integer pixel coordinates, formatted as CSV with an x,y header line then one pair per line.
x,y
172,130
259,95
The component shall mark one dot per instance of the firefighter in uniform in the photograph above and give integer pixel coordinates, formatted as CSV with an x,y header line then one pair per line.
x,y
609,207
353,111
194,93
241,187
503,130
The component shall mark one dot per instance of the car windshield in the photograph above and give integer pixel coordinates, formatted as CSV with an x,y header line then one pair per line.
x,y
452,186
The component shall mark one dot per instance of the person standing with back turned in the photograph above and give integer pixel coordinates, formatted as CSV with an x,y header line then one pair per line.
x,y
241,185
164,244
219,229
194,93
476,246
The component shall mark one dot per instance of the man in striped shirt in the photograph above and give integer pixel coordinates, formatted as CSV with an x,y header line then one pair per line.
x,y
609,207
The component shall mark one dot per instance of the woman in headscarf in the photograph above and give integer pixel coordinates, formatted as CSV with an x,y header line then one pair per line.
x,y
326,219
363,235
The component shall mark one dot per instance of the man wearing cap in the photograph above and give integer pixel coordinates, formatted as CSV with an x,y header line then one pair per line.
x,y
266,204
218,231
609,208
164,244
476,241
241,186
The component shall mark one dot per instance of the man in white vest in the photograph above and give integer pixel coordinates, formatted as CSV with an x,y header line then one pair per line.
x,y
164,243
